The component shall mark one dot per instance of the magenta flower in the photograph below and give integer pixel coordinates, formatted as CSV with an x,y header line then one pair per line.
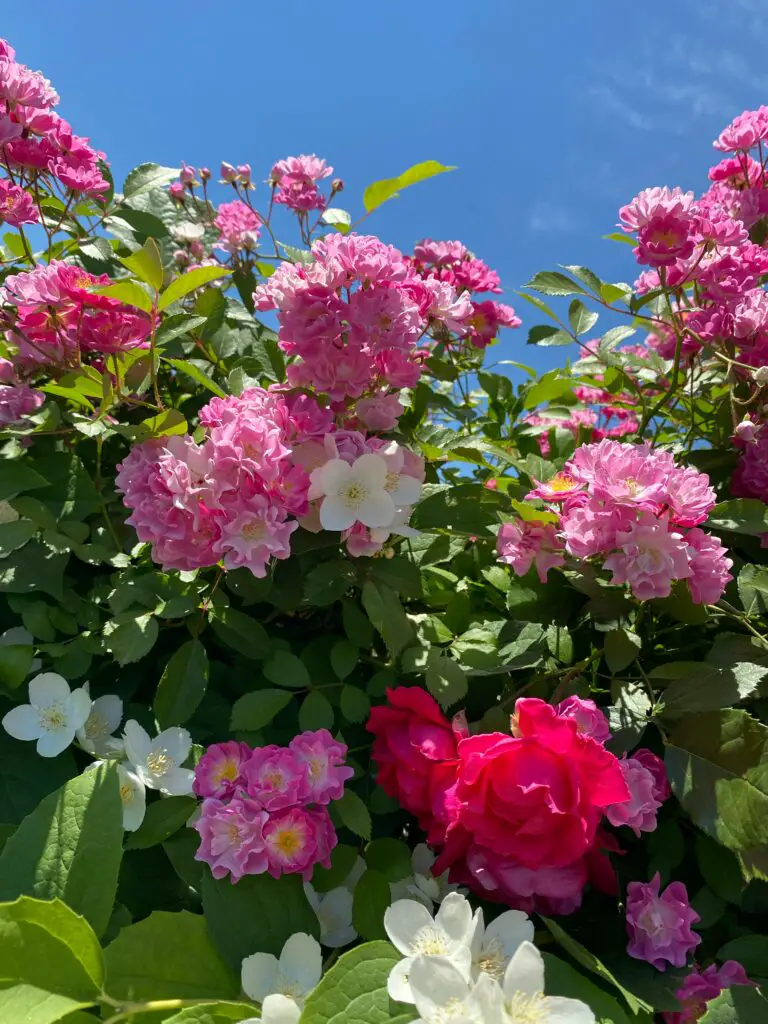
x,y
16,206
238,225
323,758
659,924
744,131
291,838
639,813
523,544
557,488
657,768
701,986
231,838
589,719
275,778
218,772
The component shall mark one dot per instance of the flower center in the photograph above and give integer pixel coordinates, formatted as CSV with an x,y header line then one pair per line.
x,y
393,479
652,921
254,530
127,793
234,833
492,960
316,768
354,495
560,482
226,772
525,1009
288,842
96,726
274,779
430,941
159,762
53,717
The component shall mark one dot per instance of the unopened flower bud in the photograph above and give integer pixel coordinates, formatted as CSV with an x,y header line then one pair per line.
x,y
228,174
176,190
337,185
760,375
244,171
747,430
187,174
205,174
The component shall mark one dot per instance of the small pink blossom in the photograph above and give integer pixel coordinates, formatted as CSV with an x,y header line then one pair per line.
x,y
17,401
700,987
275,778
259,533
16,206
709,567
652,203
231,838
744,131
218,772
522,544
379,412
659,924
655,765
439,253
486,318
291,839
689,497
589,719
747,430
650,558
323,758
238,225
557,488
639,813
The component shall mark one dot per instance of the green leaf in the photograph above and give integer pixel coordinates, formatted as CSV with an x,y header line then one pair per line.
x,y
26,778
387,615
146,264
708,687
550,282
751,951
718,770
616,292
70,847
182,685
190,282
752,584
380,191
15,663
241,632
315,712
253,711
582,320
129,292
255,916
344,656
340,219
328,582
354,814
737,1005
15,535
197,375
285,669
45,944
371,899
168,956
24,1004
720,869
390,857
214,1013
563,980
163,818
741,515
543,334
146,177
354,991
355,704
16,477
446,679
129,637
176,325
621,649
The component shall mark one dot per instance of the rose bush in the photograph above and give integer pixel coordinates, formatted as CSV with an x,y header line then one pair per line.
x,y
342,675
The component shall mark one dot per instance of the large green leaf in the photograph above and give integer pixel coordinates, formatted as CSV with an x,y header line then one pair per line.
x,y
163,818
146,177
182,685
256,915
563,980
354,991
737,1005
387,615
168,956
26,778
45,944
16,477
190,282
254,710
70,847
380,191
718,767
740,515
25,1004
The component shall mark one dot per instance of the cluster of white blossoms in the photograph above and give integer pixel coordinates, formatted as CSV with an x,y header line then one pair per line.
x,y
57,716
455,968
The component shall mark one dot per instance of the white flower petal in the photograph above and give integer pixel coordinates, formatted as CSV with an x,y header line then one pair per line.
x,y
435,982
525,972
53,742
279,1009
371,470
332,477
422,859
455,917
511,929
110,709
407,491
258,976
48,688
79,706
335,515
561,1010
398,985
403,920
175,782
313,897
137,742
176,742
301,961
134,798
23,723
376,510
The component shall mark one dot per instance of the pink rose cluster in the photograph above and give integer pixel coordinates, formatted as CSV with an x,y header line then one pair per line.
x,y
632,508
239,495
265,809
452,264
238,226
518,817
52,316
38,144
295,182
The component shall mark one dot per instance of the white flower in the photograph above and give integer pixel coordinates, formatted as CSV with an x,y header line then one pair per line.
x,y
412,931
277,983
442,993
493,947
132,794
188,232
422,885
334,912
157,762
95,737
524,999
53,715
354,493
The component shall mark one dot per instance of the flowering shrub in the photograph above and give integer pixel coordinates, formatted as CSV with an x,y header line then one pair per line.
x,y
343,676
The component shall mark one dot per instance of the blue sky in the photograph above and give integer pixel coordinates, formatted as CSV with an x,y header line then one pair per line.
x,y
554,113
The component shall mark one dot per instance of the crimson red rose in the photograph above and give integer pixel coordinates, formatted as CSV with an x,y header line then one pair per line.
x,y
415,749
536,797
